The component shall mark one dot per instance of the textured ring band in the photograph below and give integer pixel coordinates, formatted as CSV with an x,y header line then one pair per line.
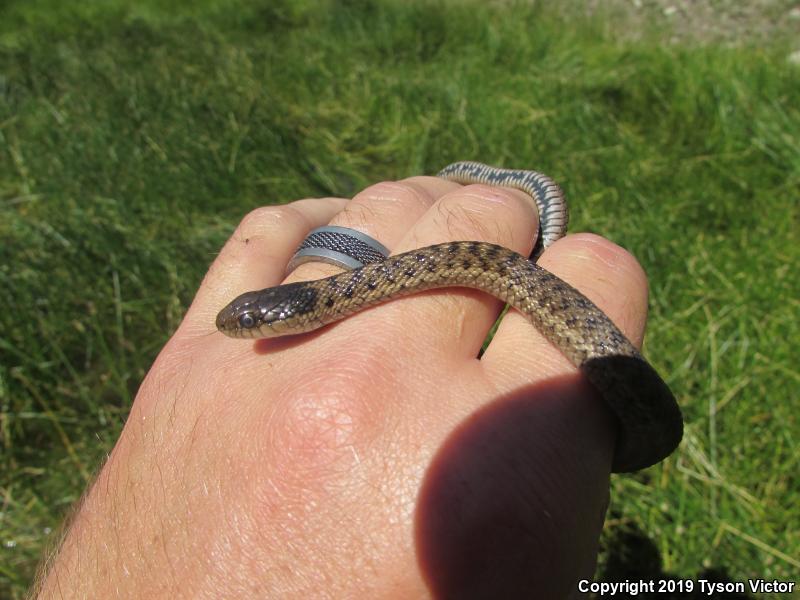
x,y
341,246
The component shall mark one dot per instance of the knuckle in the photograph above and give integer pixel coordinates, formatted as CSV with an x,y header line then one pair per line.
x,y
500,215
490,198
604,254
463,216
396,192
323,422
266,220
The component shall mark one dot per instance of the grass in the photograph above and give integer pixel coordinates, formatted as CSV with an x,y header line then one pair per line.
x,y
133,139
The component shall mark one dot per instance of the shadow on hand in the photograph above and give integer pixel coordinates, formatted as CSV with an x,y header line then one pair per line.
x,y
513,502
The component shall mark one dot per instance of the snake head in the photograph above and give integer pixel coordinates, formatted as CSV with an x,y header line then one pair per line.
x,y
266,313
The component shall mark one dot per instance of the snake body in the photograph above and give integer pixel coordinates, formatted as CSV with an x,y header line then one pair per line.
x,y
649,421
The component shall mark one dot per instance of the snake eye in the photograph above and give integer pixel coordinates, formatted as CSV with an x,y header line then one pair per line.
x,y
247,321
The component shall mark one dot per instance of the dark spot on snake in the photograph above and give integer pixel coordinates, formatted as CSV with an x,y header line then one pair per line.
x,y
544,298
303,301
410,272
467,263
329,302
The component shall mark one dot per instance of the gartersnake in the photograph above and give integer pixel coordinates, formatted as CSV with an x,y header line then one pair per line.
x,y
650,422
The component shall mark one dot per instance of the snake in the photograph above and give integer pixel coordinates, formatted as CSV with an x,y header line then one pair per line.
x,y
648,418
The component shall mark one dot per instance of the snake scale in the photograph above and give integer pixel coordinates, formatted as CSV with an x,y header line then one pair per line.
x,y
649,421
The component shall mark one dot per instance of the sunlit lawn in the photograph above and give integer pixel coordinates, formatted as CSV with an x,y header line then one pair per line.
x,y
132,141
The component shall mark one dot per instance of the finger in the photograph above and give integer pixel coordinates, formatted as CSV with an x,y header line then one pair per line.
x,y
256,254
606,274
456,322
384,211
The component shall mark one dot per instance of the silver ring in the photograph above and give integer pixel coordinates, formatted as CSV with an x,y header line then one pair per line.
x,y
340,246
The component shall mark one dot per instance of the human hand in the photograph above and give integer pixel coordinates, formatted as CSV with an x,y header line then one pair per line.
x,y
375,458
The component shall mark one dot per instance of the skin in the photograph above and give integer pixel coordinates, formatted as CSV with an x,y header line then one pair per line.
x,y
376,458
